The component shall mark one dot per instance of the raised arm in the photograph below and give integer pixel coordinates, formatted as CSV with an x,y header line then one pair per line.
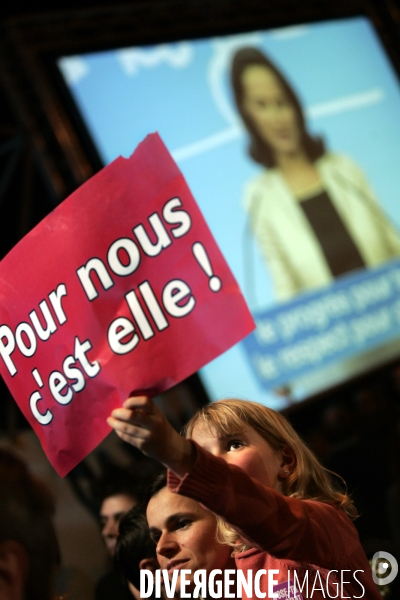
x,y
301,530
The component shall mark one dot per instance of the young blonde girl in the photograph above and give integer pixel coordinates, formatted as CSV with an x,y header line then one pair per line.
x,y
308,479
245,463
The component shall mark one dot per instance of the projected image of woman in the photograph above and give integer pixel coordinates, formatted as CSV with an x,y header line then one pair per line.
x,y
312,212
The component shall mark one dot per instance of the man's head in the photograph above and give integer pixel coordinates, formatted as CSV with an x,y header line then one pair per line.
x,y
115,504
29,552
185,534
135,549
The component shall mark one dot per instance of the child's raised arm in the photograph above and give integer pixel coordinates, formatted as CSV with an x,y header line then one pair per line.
x,y
142,424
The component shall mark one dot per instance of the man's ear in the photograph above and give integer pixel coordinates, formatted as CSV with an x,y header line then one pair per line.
x,y
14,565
149,563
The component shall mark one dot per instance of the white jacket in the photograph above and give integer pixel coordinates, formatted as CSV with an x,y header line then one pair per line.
x,y
288,244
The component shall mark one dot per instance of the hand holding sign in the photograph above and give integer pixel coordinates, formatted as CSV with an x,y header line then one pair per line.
x,y
140,423
121,288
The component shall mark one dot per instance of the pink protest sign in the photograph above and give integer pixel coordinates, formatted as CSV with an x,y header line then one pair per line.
x,y
122,287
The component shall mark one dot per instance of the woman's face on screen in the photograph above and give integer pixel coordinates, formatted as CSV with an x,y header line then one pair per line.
x,y
268,107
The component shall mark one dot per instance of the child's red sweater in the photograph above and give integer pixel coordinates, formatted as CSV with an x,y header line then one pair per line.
x,y
288,534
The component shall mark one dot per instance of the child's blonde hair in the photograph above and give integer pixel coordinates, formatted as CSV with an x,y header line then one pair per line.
x,y
308,480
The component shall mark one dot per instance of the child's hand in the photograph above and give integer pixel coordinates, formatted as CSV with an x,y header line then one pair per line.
x,y
141,423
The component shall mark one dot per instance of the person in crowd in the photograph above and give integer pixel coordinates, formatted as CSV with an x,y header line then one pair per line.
x,y
312,212
117,500
29,551
245,463
178,533
186,537
135,550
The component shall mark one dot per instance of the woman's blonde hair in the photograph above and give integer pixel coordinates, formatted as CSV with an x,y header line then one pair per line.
x,y
308,480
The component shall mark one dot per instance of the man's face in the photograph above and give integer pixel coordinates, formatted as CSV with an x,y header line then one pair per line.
x,y
185,536
112,510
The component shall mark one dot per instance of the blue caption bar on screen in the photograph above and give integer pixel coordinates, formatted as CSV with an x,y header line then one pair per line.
x,y
354,315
